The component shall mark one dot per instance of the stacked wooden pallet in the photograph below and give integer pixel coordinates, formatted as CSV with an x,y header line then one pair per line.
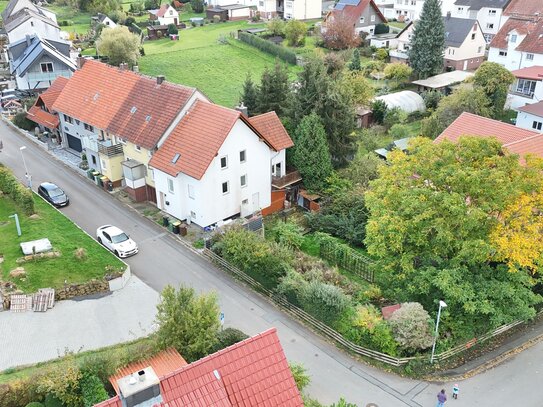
x,y
41,301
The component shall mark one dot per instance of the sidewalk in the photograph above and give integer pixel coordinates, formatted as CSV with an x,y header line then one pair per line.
x,y
77,325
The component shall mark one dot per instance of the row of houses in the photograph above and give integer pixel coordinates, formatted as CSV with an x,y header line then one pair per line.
x,y
166,143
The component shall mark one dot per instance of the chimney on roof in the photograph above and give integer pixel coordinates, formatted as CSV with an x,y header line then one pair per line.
x,y
140,387
448,15
160,79
80,62
136,68
123,66
28,40
242,109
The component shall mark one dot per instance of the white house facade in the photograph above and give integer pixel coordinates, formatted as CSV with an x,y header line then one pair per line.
x,y
216,165
530,117
489,14
165,15
410,10
527,88
28,22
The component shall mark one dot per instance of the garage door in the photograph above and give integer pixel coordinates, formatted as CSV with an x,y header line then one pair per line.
x,y
74,143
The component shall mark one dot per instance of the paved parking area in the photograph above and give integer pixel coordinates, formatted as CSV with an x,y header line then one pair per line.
x,y
32,337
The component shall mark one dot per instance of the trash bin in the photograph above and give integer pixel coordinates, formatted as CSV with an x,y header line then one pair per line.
x,y
105,181
110,186
165,221
170,226
183,230
95,176
101,179
89,173
175,227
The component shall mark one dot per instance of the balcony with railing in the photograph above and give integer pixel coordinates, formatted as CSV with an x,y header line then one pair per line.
x,y
109,149
288,179
48,76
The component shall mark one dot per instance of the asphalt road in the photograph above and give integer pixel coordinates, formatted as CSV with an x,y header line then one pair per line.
x,y
162,261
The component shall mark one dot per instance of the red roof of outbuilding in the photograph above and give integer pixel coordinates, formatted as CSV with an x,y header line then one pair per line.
x,y
42,117
122,102
468,124
250,373
270,127
535,109
52,93
163,363
532,72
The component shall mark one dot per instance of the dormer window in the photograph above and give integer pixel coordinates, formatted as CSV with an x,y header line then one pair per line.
x,y
513,38
362,19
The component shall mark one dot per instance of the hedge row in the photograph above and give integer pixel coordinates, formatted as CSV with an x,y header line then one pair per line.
x,y
269,47
22,196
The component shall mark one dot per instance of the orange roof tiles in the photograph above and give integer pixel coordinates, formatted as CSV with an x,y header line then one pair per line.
x,y
523,7
468,124
197,138
105,96
353,13
112,402
271,128
535,109
163,363
250,373
533,72
42,117
52,93
531,27
529,146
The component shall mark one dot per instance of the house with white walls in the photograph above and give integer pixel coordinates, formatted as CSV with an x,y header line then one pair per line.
x,y
527,88
517,44
218,164
29,22
489,14
364,15
410,10
287,9
530,117
165,15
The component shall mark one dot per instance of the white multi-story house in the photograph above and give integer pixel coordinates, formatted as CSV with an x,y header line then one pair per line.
x,y
530,117
489,14
527,88
165,15
28,21
218,164
410,10
387,8
288,9
517,44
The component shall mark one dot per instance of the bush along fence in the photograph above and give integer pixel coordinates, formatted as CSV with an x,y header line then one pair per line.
x,y
330,333
268,47
343,256
11,186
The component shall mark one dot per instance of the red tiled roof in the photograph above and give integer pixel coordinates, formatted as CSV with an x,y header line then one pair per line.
x,y
468,124
353,13
105,96
533,72
162,10
42,117
250,373
535,109
271,128
163,363
524,7
388,311
521,25
112,402
529,146
51,94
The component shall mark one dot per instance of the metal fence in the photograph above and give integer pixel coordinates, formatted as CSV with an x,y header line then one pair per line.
x,y
328,332
343,256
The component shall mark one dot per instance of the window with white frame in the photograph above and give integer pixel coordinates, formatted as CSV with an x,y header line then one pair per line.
x,y
479,50
502,53
472,36
530,57
537,125
193,214
191,191
170,185
88,127
513,38
77,122
490,26
151,173
460,9
46,66
68,119
224,187
372,18
243,180
224,162
525,87
243,156
413,2
104,164
121,140
362,19
137,148
288,4
491,12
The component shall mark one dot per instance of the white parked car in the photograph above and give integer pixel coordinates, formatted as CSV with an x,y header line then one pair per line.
x,y
116,240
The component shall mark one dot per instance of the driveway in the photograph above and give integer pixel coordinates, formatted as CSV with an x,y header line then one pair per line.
x,y
163,261
73,326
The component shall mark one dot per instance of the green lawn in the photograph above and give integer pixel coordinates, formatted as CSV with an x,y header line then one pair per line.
x,y
198,60
3,5
414,128
63,235
80,19
397,24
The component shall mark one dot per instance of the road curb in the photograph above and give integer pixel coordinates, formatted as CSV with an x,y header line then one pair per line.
x,y
491,364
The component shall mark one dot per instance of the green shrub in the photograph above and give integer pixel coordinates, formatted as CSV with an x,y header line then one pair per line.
x,y
300,375
399,131
228,337
381,29
379,109
325,302
431,98
52,401
381,54
172,29
22,196
290,286
34,404
62,381
411,327
103,365
18,393
268,47
22,122
288,234
394,116
92,390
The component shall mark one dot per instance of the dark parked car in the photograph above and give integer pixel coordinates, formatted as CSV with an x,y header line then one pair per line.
x,y
53,194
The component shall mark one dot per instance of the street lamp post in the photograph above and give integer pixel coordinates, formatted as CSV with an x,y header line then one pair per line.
x,y
27,174
442,304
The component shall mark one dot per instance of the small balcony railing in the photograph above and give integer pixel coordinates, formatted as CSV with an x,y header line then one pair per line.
x,y
48,76
286,180
527,95
110,150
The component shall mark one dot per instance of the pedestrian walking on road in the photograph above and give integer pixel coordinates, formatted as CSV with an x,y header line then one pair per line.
x,y
1,146
441,398
456,389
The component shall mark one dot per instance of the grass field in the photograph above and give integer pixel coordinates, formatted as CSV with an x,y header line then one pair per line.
x,y
80,19
65,238
3,5
198,60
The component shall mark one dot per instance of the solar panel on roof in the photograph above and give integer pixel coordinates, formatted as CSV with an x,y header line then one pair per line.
x,y
339,6
351,2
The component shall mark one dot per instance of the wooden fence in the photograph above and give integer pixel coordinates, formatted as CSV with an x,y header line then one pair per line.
x,y
328,332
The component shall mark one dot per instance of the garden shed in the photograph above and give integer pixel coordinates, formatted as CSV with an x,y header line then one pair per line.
x,y
406,100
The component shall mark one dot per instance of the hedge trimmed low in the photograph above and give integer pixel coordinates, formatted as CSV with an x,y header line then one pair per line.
x,y
11,186
268,47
